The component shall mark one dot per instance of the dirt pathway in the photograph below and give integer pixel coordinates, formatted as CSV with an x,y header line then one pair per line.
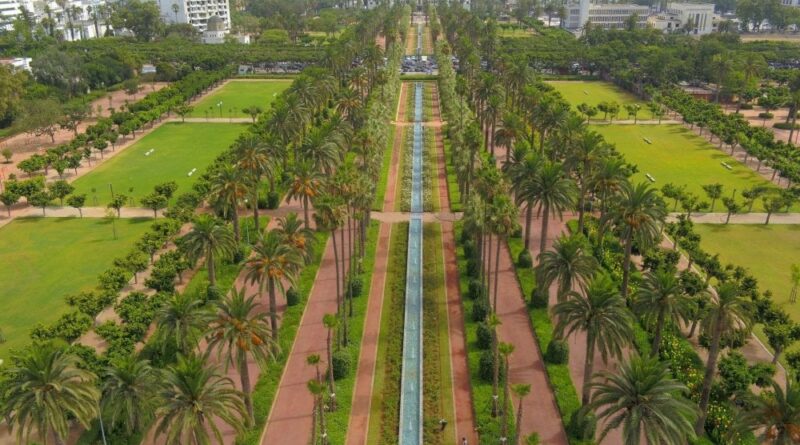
x,y
362,393
290,418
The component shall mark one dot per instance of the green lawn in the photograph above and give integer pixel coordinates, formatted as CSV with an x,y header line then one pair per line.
x,y
767,251
179,148
679,156
45,259
594,92
239,94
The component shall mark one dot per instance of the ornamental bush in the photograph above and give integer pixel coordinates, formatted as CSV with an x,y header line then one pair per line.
x,y
292,297
341,364
484,333
476,289
557,352
539,299
480,310
524,259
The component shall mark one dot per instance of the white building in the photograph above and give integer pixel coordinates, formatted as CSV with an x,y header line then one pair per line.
x,y
195,12
10,10
690,18
606,16
76,20
215,31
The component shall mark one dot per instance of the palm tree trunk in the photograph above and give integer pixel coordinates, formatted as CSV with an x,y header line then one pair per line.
x,y
322,423
518,423
244,373
212,276
711,367
528,220
658,333
588,369
495,373
305,211
273,309
581,204
336,263
489,263
330,363
345,339
504,426
255,210
545,222
235,220
314,420
496,270
626,265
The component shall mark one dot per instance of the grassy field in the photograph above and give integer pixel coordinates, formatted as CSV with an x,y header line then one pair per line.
x,y
239,94
594,92
679,156
178,149
767,251
45,259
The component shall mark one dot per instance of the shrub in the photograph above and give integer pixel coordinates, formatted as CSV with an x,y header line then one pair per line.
x,y
557,352
213,293
785,126
762,374
734,373
273,200
240,254
745,106
484,333
469,249
162,279
524,259
766,115
480,310
476,289
539,299
486,366
91,303
355,287
292,297
582,426
69,327
341,364
114,279
473,268
517,233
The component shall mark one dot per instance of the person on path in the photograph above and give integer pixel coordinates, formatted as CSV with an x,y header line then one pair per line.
x,y
442,424
464,441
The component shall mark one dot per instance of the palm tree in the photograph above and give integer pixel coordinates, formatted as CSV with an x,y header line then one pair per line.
x,y
193,396
503,217
181,322
329,215
648,403
227,188
239,331
296,234
256,159
273,261
522,177
639,211
520,390
583,157
493,321
317,389
208,238
46,388
607,179
602,315
505,349
129,394
661,299
725,314
569,263
331,321
775,416
555,193
304,186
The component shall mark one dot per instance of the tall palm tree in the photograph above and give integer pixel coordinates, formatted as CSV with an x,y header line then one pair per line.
x,y
228,187
329,215
555,193
181,322
46,388
296,234
646,401
239,332
775,415
569,263
607,178
505,349
582,159
255,158
493,321
602,315
725,314
129,394
503,216
273,261
521,390
639,211
330,321
193,396
317,389
305,185
661,300
208,238
522,177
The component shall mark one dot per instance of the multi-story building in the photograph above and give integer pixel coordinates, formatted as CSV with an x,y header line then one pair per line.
x,y
606,15
195,12
10,10
75,19
689,18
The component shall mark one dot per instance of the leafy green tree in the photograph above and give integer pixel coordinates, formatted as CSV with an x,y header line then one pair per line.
x,y
732,207
603,316
47,388
117,203
77,202
155,202
9,198
645,401
193,397
60,189
228,187
714,192
129,393
141,17
41,199
210,239
166,189
237,332
727,313
661,300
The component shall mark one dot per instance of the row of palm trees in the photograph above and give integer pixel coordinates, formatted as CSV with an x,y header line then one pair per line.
x,y
555,165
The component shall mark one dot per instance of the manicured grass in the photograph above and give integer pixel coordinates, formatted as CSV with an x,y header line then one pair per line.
x,y
385,406
768,252
270,377
239,94
45,259
438,384
577,92
179,148
679,156
452,180
431,177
